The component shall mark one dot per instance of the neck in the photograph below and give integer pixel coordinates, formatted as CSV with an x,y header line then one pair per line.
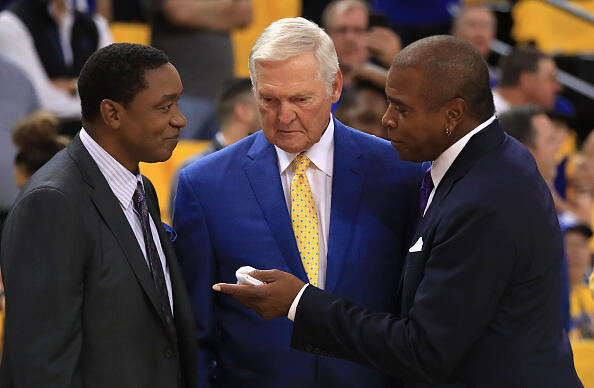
x,y
463,129
233,132
512,95
114,148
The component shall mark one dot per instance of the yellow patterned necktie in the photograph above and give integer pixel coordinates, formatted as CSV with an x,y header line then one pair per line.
x,y
305,219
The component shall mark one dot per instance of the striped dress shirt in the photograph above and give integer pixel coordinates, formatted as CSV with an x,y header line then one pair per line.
x,y
123,184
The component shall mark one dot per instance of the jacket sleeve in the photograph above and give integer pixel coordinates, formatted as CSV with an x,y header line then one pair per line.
x,y
43,259
463,280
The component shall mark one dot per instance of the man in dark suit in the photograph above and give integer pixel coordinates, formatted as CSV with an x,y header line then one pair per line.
x,y
240,206
479,298
94,295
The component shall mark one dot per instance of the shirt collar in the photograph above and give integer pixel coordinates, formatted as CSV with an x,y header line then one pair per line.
x,y
441,165
321,153
122,182
221,139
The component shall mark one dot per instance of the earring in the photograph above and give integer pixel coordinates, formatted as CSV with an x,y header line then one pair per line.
x,y
447,131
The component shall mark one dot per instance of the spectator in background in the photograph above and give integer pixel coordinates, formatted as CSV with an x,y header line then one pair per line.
x,y
580,267
38,141
362,107
237,112
51,40
195,35
413,20
531,126
528,76
347,24
17,101
478,26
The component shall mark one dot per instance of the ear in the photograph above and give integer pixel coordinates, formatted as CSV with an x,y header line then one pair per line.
x,y
336,87
455,111
526,81
110,112
242,112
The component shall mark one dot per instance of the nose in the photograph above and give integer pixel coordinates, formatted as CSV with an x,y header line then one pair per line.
x,y
178,120
388,120
286,113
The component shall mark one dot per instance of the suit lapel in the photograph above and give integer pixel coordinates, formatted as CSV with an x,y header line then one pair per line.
x,y
347,186
261,168
483,142
110,210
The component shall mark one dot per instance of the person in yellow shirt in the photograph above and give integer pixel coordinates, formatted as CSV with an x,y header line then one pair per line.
x,y
580,264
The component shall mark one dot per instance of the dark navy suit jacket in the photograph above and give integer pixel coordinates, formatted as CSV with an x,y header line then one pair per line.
x,y
480,298
230,211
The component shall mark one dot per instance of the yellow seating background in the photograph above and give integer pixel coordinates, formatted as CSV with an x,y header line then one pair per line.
x,y
161,174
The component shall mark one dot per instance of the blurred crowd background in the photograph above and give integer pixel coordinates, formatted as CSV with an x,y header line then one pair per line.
x,y
540,55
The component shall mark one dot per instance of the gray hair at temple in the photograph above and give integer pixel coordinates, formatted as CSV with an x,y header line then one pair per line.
x,y
286,38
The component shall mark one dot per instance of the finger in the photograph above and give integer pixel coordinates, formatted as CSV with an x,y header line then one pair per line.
x,y
226,288
266,276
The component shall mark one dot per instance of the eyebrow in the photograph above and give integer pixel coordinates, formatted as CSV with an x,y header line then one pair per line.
x,y
396,101
168,97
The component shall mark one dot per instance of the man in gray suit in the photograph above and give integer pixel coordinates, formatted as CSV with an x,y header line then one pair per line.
x,y
94,295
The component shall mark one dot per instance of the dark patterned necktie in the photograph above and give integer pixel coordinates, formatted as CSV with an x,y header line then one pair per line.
x,y
426,188
152,255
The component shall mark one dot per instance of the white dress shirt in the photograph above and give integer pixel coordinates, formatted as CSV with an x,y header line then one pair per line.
x,y
442,164
123,184
438,170
319,176
17,44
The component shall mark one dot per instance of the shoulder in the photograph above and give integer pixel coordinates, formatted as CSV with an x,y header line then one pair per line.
x,y
378,154
228,157
61,174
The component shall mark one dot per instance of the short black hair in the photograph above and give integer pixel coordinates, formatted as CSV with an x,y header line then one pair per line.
x,y
233,90
451,68
521,60
116,72
517,122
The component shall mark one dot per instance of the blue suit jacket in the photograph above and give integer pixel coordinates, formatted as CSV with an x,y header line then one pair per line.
x,y
230,211
480,294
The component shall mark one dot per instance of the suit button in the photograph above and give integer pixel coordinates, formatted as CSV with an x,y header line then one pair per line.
x,y
168,319
168,353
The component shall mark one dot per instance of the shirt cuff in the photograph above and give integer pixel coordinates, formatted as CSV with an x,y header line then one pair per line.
x,y
293,308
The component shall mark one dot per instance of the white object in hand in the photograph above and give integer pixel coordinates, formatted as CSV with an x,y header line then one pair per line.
x,y
244,278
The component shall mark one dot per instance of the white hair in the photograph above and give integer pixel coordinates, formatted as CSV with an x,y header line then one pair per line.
x,y
286,38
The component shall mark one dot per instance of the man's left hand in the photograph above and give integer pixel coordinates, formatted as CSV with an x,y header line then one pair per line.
x,y
270,300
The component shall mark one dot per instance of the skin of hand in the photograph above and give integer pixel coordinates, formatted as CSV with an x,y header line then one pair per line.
x,y
66,84
216,15
270,300
383,44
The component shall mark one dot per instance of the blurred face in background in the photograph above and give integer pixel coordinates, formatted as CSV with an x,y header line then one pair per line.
x,y
541,87
578,255
477,26
366,113
348,30
546,145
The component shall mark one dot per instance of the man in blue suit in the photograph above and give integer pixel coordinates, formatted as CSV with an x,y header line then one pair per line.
x,y
241,207
479,300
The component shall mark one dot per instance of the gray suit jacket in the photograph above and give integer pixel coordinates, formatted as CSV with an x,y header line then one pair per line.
x,y
81,305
